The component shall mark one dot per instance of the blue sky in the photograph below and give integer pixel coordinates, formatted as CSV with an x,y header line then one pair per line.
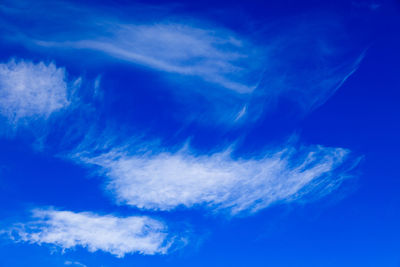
x,y
218,133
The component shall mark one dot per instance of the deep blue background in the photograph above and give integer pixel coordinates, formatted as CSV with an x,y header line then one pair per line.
x,y
357,226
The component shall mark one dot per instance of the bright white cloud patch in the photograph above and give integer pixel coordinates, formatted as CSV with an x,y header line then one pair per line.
x,y
31,90
115,235
164,181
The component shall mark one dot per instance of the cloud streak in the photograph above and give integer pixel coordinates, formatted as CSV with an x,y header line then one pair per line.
x,y
75,263
164,181
306,60
215,55
116,235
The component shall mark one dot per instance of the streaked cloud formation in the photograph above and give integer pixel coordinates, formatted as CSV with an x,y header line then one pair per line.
x,y
215,55
108,233
32,90
163,181
306,60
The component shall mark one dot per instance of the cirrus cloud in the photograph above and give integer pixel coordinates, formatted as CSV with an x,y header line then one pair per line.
x,y
108,233
32,90
164,181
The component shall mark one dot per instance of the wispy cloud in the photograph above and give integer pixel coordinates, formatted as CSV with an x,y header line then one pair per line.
x,y
108,233
213,54
372,5
32,90
306,60
164,181
192,48
75,263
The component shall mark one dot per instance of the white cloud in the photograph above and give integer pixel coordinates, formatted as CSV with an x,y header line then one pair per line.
x,y
31,90
303,59
163,181
115,235
76,263
214,54
305,62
